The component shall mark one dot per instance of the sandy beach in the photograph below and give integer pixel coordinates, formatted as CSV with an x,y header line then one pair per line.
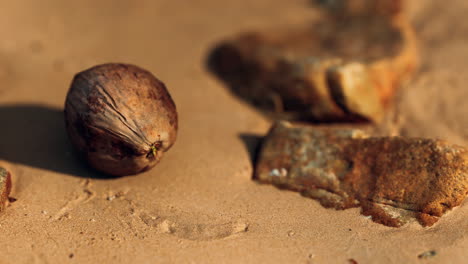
x,y
200,204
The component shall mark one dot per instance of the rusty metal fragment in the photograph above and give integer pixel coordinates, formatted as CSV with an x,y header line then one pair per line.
x,y
5,187
385,8
393,179
341,68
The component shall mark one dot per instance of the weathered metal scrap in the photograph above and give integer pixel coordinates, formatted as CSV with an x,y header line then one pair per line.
x,y
339,68
393,179
385,8
5,187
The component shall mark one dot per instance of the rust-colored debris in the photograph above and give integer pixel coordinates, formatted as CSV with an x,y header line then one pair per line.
x,y
393,179
384,8
5,187
345,67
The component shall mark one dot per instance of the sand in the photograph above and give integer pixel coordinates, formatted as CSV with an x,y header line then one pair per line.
x,y
199,205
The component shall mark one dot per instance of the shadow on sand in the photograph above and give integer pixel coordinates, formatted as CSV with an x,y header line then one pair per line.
x,y
35,135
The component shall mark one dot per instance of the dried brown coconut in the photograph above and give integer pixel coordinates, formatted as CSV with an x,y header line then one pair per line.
x,y
121,118
393,179
345,67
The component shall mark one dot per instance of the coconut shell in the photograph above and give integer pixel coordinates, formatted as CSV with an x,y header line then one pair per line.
x,y
120,118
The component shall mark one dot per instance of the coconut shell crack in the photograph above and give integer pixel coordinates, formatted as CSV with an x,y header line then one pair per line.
x,y
345,67
393,179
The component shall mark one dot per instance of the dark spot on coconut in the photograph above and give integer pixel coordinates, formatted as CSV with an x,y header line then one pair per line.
x,y
95,104
153,94
82,129
158,145
121,150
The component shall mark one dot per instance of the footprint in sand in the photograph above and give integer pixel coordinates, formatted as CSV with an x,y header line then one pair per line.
x,y
194,228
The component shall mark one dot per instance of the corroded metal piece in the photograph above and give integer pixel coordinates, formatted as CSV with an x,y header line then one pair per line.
x,y
385,8
5,187
340,68
393,179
